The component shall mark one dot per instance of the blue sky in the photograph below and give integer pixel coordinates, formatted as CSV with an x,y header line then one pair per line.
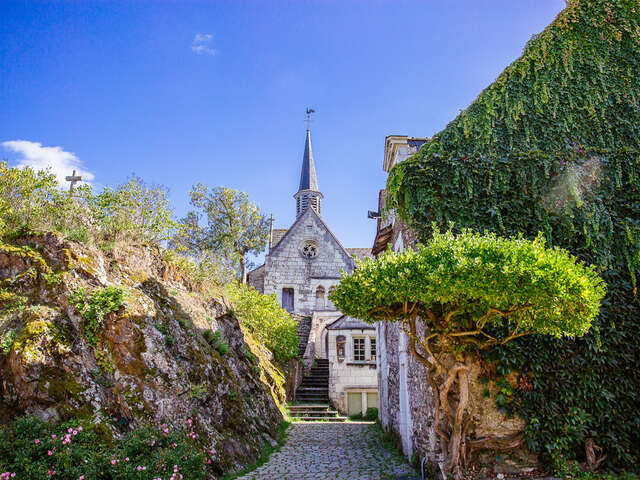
x,y
215,92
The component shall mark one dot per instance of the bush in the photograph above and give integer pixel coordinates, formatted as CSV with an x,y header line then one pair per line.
x,y
31,448
95,307
263,317
32,201
133,210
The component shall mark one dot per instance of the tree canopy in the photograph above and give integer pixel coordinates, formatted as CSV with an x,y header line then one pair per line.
x,y
233,226
459,284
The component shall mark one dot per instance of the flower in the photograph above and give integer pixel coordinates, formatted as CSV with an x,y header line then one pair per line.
x,y
37,440
49,453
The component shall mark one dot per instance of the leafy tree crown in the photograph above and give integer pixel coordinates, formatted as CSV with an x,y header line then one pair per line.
x,y
463,282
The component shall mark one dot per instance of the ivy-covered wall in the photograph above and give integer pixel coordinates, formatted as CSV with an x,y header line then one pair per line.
x,y
553,146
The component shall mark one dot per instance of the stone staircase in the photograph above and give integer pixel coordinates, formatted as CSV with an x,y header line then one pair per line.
x,y
304,327
315,386
312,397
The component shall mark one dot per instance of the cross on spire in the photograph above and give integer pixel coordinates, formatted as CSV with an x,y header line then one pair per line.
x,y
73,179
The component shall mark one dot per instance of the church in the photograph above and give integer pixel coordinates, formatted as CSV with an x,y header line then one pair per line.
x,y
301,268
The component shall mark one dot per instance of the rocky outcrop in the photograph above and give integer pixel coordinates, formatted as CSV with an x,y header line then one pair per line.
x,y
170,352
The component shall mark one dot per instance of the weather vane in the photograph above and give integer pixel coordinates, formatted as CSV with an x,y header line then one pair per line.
x,y
308,120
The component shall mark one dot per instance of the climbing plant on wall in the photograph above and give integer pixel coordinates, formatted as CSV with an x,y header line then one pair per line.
x,y
553,146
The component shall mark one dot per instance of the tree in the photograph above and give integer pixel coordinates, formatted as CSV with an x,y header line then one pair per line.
x,y
472,292
234,225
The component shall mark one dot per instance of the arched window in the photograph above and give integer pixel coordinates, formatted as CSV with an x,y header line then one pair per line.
x,y
320,298
330,305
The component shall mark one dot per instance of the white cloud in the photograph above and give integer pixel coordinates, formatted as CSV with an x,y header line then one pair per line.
x,y
201,44
54,159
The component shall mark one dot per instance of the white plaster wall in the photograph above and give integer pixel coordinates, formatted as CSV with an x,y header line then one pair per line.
x,y
347,375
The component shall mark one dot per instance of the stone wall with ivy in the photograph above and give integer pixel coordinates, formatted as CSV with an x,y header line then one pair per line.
x,y
552,146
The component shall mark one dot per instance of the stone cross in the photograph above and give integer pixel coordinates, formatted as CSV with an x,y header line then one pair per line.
x,y
73,178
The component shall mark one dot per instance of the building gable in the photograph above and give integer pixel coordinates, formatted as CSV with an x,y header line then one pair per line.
x,y
310,227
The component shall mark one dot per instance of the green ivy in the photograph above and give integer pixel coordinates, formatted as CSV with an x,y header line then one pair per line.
x,y
552,146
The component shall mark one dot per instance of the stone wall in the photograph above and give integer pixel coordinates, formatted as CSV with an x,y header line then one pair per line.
x,y
287,267
406,401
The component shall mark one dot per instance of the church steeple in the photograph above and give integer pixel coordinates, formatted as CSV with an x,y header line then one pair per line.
x,y
308,180
308,194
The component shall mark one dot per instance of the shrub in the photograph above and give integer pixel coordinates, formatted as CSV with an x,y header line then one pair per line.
x,y
95,307
31,201
133,210
31,448
263,317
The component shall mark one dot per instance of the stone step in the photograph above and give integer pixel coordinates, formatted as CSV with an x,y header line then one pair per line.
x,y
319,406
321,419
313,413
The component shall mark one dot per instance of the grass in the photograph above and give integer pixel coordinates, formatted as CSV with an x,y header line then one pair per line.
x,y
267,450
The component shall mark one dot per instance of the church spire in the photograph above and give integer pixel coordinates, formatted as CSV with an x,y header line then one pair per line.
x,y
308,194
308,180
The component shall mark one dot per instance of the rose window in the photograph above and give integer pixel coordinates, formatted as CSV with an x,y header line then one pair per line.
x,y
309,250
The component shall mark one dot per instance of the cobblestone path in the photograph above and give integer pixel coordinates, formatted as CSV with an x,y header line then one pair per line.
x,y
332,451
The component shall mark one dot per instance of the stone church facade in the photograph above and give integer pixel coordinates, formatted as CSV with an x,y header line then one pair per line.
x,y
303,265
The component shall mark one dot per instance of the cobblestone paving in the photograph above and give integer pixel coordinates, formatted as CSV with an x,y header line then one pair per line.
x,y
332,451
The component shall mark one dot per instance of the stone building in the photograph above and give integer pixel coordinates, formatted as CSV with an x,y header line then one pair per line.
x,y
352,352
406,404
304,264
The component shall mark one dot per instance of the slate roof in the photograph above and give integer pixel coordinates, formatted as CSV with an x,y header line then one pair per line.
x,y
276,236
347,323
308,180
360,253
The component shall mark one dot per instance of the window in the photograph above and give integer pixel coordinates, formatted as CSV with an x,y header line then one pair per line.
x,y
358,349
330,305
309,250
320,298
287,299
373,349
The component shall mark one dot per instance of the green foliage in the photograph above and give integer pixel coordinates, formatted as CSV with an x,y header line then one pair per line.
x,y
552,146
266,320
460,284
31,201
95,307
234,227
133,210
371,415
196,392
215,340
26,442
7,340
